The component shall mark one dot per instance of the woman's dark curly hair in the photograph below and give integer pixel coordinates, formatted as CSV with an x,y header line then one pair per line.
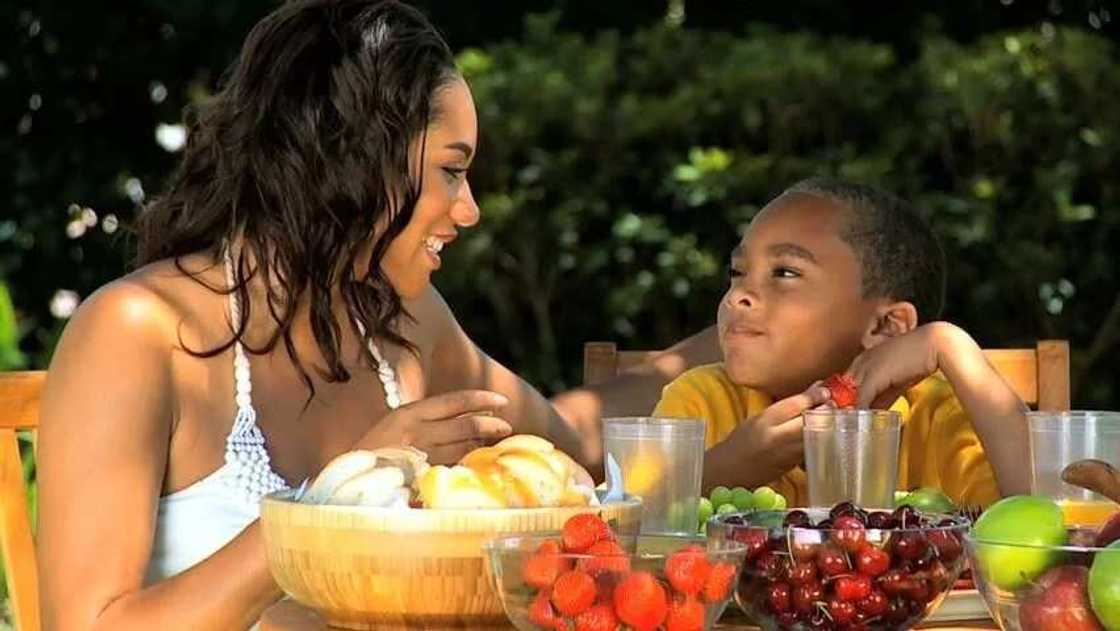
x,y
302,152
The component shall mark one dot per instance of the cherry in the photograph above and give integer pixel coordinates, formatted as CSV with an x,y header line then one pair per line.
x,y
897,611
797,519
805,596
754,539
874,604
778,597
919,590
772,567
946,543
872,561
910,545
848,533
842,509
804,551
803,573
938,576
842,611
787,620
881,520
776,541
921,564
852,588
906,516
831,561
893,582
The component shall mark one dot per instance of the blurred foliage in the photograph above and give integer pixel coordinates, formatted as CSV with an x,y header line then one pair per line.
x,y
615,174
617,166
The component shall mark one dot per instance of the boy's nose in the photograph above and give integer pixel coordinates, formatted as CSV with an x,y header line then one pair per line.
x,y
742,299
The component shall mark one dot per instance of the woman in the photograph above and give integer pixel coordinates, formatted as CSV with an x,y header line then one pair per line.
x,y
281,314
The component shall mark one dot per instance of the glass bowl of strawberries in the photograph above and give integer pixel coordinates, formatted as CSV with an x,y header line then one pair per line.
x,y
588,578
843,568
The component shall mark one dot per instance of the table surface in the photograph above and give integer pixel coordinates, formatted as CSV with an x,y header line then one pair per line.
x,y
288,615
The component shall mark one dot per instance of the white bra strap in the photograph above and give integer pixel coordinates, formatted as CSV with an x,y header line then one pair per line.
x,y
249,468
241,375
385,372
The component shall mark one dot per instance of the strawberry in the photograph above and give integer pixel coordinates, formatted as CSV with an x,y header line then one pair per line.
x,y
598,618
583,531
614,558
685,614
541,569
687,570
844,390
543,615
640,601
719,581
573,593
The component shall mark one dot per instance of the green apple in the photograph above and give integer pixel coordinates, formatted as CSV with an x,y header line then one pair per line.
x,y
1021,520
1104,586
928,500
742,498
720,495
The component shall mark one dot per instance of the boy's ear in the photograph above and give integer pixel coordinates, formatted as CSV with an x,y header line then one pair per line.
x,y
891,319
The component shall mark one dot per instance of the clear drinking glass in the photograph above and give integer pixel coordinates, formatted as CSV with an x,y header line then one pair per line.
x,y
662,460
1060,438
852,455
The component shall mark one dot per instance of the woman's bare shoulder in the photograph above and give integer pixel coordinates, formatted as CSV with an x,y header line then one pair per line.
x,y
154,305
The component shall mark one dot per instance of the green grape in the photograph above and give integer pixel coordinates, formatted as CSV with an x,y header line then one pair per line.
x,y
705,510
765,498
780,502
720,495
742,498
726,508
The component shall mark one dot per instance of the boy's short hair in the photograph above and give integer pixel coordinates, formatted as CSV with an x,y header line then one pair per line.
x,y
899,255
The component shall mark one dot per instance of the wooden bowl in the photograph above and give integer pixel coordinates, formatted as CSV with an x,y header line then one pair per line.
x,y
373,568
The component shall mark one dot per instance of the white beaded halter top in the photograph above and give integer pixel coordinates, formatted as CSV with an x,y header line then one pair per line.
x,y
248,470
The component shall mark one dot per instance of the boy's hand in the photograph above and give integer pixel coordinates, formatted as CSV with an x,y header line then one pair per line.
x,y
886,371
769,444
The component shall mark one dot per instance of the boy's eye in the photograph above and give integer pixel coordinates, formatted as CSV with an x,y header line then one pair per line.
x,y
733,273
786,272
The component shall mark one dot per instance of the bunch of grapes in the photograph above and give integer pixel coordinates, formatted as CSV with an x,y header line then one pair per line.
x,y
724,500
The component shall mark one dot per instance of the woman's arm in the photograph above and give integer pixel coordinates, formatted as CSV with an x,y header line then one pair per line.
x,y
636,391
107,418
572,420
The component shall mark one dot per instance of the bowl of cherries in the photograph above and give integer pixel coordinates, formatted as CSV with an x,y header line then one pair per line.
x,y
844,568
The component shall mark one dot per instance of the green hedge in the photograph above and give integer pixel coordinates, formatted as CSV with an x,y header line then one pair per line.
x,y
615,173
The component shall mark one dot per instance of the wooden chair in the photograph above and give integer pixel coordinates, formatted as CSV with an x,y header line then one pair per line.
x,y
1039,375
19,410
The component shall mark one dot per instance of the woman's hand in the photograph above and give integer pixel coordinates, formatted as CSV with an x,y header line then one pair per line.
x,y
445,426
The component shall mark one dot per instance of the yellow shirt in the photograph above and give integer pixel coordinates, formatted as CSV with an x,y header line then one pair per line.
x,y
939,448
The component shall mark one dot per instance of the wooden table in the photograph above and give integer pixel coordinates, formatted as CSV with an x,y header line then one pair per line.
x,y
288,615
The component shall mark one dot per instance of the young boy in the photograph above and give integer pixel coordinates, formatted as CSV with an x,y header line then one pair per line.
x,y
836,277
